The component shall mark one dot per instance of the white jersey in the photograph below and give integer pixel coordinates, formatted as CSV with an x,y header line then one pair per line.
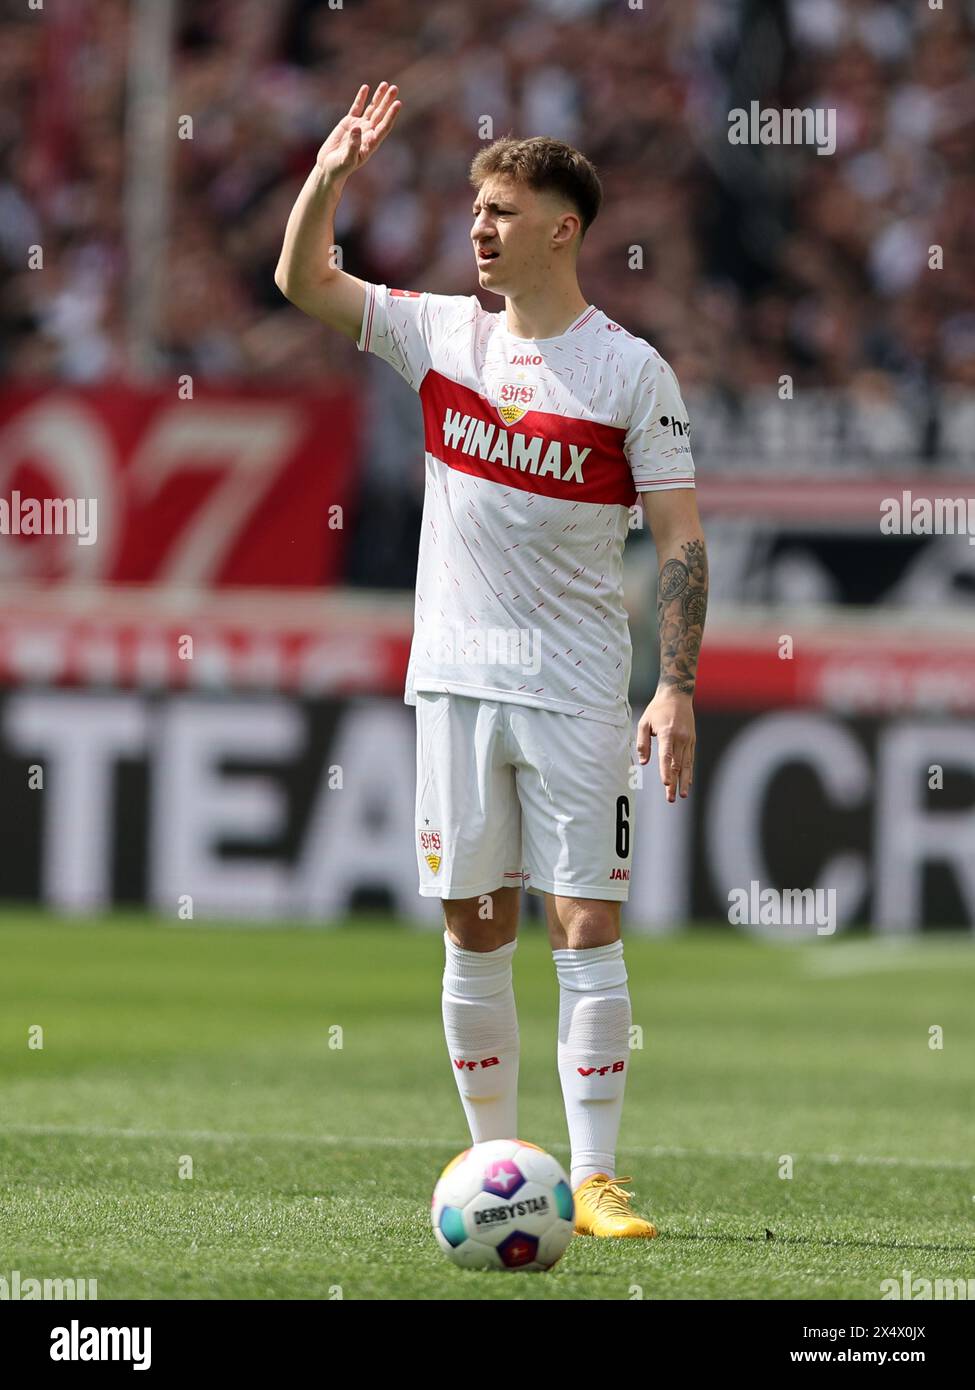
x,y
535,452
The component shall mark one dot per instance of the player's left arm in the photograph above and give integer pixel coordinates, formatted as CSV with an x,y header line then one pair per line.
x,y
682,600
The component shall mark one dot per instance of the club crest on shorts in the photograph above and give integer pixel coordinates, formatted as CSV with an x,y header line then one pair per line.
x,y
514,400
431,847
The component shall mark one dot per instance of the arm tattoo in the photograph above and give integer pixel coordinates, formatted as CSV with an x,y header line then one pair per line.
x,y
682,601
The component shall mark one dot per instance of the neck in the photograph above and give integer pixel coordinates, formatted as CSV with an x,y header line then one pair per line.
x,y
544,313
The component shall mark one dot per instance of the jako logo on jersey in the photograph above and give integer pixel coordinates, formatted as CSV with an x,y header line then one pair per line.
x,y
620,873
681,427
514,399
588,1071
524,359
460,1063
479,439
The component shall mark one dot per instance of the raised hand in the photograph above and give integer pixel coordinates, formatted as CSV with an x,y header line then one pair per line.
x,y
360,133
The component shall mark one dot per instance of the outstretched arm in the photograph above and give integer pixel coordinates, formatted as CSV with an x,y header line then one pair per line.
x,y
682,600
304,273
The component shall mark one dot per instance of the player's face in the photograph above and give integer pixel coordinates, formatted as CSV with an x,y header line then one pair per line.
x,y
513,236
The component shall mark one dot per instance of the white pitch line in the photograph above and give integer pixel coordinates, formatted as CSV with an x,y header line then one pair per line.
x,y
874,958
384,1141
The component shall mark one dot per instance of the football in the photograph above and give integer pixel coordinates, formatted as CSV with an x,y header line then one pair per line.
x,y
505,1204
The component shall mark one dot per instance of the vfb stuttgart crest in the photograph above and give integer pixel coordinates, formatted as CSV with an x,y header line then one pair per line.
x,y
431,847
514,400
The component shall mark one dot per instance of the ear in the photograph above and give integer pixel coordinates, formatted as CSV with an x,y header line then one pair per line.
x,y
569,224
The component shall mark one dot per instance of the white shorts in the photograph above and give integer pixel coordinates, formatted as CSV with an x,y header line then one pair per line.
x,y
510,795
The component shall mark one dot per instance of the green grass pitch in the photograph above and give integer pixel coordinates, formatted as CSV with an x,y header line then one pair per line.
x,y
313,1164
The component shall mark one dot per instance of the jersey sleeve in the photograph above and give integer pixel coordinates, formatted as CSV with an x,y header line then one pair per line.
x,y
657,443
406,327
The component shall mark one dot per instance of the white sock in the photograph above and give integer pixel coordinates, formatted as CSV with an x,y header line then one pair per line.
x,y
594,1036
481,1027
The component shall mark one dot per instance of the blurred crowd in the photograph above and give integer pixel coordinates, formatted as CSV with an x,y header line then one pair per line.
x,y
755,260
